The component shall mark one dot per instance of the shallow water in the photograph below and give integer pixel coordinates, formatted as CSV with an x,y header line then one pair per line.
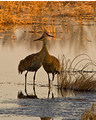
x,y
15,44
67,107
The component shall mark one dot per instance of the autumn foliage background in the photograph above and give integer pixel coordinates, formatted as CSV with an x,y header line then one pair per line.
x,y
29,12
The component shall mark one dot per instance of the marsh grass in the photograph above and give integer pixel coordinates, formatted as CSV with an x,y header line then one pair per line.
x,y
89,114
78,74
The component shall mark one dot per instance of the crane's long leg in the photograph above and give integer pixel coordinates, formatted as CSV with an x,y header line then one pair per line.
x,y
34,78
49,92
34,83
26,82
49,79
34,90
52,76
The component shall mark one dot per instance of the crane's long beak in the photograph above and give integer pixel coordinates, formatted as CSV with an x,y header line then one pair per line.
x,y
49,35
39,39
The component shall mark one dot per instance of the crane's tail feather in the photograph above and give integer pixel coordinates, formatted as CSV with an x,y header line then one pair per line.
x,y
19,71
56,71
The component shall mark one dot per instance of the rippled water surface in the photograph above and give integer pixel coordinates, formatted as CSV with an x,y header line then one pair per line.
x,y
16,43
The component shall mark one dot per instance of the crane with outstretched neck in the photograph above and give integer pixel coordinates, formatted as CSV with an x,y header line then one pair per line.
x,y
50,63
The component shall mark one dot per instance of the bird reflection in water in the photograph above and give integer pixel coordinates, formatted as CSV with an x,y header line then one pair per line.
x,y
34,96
46,118
22,96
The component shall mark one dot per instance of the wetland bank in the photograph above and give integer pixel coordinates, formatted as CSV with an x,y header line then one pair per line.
x,y
74,26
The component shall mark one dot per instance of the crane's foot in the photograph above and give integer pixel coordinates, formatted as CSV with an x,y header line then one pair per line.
x,y
26,92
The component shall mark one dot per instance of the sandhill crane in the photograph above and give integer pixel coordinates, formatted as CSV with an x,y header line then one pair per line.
x,y
50,63
31,63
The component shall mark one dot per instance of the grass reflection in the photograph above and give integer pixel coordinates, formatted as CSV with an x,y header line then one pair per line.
x,y
75,37
66,20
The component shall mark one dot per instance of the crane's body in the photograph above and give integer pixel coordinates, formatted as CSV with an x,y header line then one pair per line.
x,y
50,63
31,63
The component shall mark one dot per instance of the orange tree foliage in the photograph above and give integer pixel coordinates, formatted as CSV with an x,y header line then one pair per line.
x,y
28,12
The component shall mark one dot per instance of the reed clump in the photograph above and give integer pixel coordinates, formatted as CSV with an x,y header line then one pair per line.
x,y
89,114
78,74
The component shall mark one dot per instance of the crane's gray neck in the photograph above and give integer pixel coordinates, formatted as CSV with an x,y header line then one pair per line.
x,y
44,48
44,41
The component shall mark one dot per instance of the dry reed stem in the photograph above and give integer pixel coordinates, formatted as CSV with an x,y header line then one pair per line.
x,y
89,114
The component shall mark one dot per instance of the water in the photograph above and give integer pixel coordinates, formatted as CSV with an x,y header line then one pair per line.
x,y
70,39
